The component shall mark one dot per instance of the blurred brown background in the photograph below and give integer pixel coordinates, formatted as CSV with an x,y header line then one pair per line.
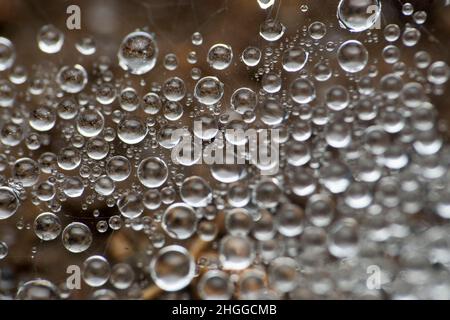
x,y
235,22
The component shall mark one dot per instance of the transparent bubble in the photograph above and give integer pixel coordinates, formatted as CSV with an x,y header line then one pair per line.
x,y
290,220
407,9
358,195
420,17
338,134
392,121
243,100
195,191
411,36
238,195
283,273
271,29
151,103
37,85
122,276
297,153
335,176
174,89
344,238
251,56
271,82
90,122
26,171
413,94
264,226
72,79
197,39
438,72
47,162
294,59
322,71
9,202
215,285
138,52
263,4
173,110
33,141
366,110
7,54
301,131
352,56
168,195
128,99
96,271
205,127
69,158
392,32
391,85
317,30
50,39
172,268
115,222
104,294
152,199
109,134
73,187
11,134
377,140
252,282
320,116
97,148
220,56
207,230
422,59
426,143
106,94
238,222
102,226
196,73
45,191
236,252
38,289
131,130
42,118
302,90
67,108
267,193
86,46
272,112
391,54
104,185
76,237
7,94
209,90
47,226
179,221
337,98
18,74
152,172
170,61
167,137
320,210
358,15
131,204
423,118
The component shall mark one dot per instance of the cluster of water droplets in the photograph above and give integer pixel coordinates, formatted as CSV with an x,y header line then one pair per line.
x,y
363,169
